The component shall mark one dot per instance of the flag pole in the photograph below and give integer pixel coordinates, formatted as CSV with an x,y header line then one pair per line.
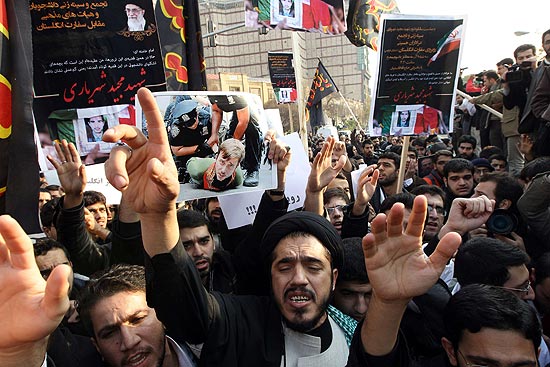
x,y
484,106
297,55
349,108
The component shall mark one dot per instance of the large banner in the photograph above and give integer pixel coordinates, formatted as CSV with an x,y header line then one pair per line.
x,y
299,15
418,70
90,58
282,76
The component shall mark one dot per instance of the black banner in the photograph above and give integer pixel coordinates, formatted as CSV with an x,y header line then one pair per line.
x,y
94,53
417,75
282,76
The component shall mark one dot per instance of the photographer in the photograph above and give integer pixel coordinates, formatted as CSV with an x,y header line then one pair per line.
x,y
506,224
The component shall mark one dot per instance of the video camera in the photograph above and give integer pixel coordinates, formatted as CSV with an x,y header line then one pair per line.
x,y
502,222
518,72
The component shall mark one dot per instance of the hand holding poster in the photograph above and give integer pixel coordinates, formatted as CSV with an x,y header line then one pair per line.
x,y
418,70
240,210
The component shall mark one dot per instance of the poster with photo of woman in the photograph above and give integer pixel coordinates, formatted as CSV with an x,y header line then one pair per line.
x,y
288,12
403,120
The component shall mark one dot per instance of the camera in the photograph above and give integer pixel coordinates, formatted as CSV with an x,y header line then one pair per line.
x,y
502,222
518,72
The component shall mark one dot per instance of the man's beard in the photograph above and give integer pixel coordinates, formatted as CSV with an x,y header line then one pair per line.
x,y
388,181
305,326
135,25
308,325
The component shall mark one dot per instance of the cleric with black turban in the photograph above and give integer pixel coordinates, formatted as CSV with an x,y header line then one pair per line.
x,y
304,222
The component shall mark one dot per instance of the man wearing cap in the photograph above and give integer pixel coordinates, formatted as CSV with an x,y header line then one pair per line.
x,y
243,125
481,167
190,132
301,253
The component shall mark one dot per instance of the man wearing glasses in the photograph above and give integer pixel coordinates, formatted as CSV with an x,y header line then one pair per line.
x,y
484,325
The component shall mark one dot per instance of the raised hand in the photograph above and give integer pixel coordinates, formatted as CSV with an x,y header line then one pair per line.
x,y
365,189
398,268
467,214
31,308
71,172
144,169
322,171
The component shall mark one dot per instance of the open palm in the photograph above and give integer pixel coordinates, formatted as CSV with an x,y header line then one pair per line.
x,y
397,267
31,308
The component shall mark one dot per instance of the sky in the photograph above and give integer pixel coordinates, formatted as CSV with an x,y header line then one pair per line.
x,y
490,26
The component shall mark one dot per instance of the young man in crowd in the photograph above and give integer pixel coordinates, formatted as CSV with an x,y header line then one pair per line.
x,y
459,180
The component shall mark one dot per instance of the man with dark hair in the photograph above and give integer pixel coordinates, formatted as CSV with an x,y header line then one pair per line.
x,y
48,218
466,147
420,145
440,159
481,168
519,91
214,265
490,261
498,162
368,152
459,180
99,248
399,270
436,209
506,191
353,291
480,315
43,197
124,328
541,287
388,165
96,215
335,201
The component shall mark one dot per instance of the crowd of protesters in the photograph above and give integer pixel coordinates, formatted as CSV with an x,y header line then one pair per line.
x,y
449,265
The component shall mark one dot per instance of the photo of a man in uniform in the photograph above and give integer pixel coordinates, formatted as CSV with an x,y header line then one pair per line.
x,y
190,132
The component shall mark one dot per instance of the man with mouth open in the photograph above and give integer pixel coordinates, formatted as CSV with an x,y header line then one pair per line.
x,y
124,329
301,253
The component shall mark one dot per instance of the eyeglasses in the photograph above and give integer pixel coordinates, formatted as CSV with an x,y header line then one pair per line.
x,y
46,272
468,362
340,208
440,210
524,290
133,10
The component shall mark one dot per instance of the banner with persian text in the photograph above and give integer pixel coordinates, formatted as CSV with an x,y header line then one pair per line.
x,y
417,73
283,79
89,59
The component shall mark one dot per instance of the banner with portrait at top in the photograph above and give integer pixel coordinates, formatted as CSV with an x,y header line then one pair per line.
x,y
91,55
417,73
324,16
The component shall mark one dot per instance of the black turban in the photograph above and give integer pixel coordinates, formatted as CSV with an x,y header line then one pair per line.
x,y
306,222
